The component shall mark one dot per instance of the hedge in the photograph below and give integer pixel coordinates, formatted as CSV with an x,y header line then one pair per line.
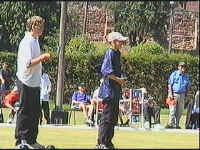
x,y
147,68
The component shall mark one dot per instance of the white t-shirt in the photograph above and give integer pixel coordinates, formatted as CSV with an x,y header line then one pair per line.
x,y
95,95
29,49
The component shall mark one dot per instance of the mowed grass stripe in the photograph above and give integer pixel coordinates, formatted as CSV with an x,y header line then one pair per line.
x,y
70,138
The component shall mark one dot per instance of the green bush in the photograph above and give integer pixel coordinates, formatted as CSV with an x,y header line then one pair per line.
x,y
79,45
143,69
148,48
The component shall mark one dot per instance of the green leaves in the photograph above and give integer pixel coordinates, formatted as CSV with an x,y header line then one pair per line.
x,y
140,19
145,66
14,15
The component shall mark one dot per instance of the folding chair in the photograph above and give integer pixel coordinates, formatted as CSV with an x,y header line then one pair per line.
x,y
136,111
135,106
73,109
124,107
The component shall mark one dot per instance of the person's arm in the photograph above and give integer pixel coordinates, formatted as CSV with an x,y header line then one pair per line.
x,y
49,86
1,77
187,86
170,84
74,98
107,69
27,55
39,59
8,105
117,79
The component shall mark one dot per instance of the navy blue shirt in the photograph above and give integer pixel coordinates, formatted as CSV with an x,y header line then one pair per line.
x,y
179,82
109,88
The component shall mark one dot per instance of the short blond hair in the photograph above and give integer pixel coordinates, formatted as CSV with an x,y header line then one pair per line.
x,y
34,22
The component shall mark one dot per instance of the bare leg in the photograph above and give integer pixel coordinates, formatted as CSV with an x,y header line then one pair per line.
x,y
83,107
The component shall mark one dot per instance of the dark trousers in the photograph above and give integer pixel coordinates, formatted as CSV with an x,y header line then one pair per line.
x,y
156,112
195,120
45,110
28,114
107,122
4,86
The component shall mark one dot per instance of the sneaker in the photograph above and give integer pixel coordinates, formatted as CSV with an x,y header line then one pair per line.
x,y
88,121
97,146
23,145
10,120
102,146
169,127
37,146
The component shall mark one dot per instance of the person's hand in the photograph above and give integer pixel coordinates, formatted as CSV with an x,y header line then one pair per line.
x,y
45,56
122,81
170,96
15,110
3,81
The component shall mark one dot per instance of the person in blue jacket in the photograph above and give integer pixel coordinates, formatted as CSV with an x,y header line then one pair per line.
x,y
110,90
178,85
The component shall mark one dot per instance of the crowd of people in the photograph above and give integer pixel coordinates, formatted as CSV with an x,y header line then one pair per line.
x,y
30,96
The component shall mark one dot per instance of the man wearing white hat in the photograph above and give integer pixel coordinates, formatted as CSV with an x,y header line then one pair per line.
x,y
110,90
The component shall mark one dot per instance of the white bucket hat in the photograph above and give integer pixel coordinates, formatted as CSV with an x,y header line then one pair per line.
x,y
116,36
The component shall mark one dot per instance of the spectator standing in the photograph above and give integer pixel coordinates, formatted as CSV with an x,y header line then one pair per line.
x,y
110,90
29,69
192,117
5,77
45,89
178,84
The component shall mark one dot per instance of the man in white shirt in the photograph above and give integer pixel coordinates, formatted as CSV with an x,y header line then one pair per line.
x,y
28,83
45,89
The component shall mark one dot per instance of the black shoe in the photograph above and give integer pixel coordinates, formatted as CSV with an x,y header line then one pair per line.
x,y
169,127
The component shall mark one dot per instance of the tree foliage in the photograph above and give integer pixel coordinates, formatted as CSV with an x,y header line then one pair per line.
x,y
141,20
13,17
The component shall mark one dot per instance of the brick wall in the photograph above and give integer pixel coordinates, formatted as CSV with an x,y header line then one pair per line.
x,y
97,19
183,36
192,6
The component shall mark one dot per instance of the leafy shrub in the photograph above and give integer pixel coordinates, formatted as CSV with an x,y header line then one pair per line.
x,y
148,48
142,69
79,45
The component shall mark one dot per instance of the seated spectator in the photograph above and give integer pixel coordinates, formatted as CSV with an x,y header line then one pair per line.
x,y
81,99
9,102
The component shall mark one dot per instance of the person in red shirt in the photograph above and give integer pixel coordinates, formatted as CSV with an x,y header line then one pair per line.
x,y
9,101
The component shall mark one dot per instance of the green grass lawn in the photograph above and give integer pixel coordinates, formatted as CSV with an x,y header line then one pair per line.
x,y
80,118
77,138
84,139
